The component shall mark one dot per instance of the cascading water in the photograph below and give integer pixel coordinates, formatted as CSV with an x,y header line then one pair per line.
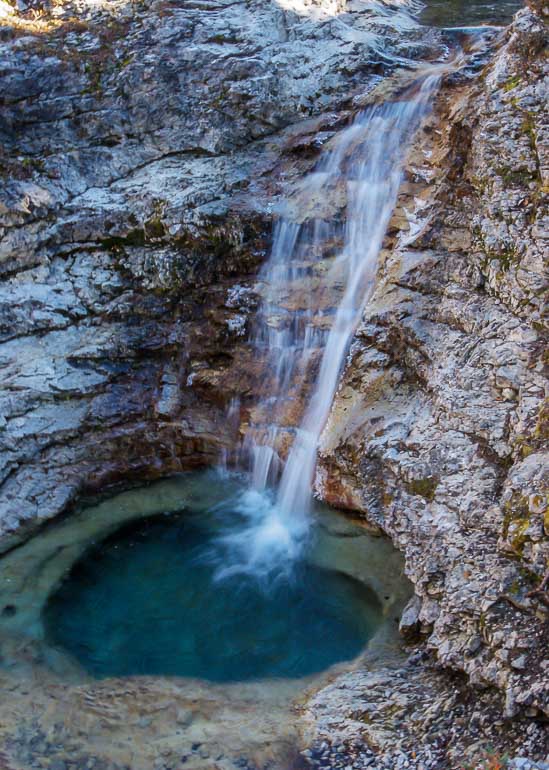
x,y
305,340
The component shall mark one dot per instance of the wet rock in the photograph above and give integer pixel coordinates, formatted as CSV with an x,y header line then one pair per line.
x,y
184,717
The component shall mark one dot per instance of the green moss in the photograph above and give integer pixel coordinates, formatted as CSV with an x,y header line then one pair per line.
x,y
516,521
20,167
514,178
528,127
221,98
361,716
518,530
482,186
220,39
34,163
512,83
94,73
528,575
506,259
423,487
154,228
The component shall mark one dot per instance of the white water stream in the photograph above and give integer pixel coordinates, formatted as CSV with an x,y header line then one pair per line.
x,y
313,301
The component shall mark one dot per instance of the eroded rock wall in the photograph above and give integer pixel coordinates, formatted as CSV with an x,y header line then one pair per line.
x,y
438,433
138,147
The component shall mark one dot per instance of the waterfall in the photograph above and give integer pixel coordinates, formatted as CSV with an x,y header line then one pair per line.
x,y
316,284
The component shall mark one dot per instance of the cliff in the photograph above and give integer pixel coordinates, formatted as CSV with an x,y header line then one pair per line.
x,y
141,145
439,430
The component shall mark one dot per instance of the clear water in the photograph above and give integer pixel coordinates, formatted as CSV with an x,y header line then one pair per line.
x,y
143,597
463,13
146,601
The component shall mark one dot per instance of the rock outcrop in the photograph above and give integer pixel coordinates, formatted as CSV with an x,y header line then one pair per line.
x,y
439,430
139,144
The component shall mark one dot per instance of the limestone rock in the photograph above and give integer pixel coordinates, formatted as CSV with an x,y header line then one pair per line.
x,y
139,144
409,625
439,429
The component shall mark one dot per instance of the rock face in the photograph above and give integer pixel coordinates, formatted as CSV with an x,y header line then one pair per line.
x,y
143,151
438,432
138,148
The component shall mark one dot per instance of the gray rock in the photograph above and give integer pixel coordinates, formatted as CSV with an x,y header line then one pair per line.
x,y
409,625
138,156
441,458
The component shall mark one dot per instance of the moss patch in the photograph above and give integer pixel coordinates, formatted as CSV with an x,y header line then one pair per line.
x,y
512,83
516,521
425,488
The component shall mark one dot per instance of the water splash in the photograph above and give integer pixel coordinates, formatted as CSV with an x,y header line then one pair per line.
x,y
319,278
258,543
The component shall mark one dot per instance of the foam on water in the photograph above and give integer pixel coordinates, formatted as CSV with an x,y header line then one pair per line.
x,y
258,540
